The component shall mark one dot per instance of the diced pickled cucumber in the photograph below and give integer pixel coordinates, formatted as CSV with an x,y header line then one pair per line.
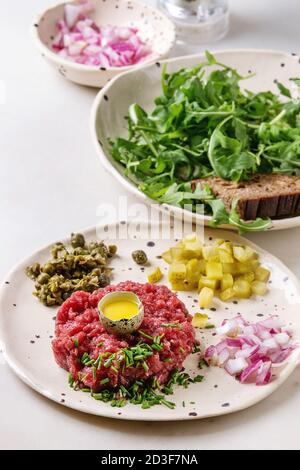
x,y
219,241
227,246
229,268
214,270
206,297
177,272
259,288
220,268
227,294
193,270
176,254
205,282
249,277
226,282
244,268
262,274
195,248
191,237
155,275
225,256
242,254
167,257
210,253
183,286
199,320
242,289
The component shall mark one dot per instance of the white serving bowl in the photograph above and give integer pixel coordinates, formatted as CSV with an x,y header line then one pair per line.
x,y
143,85
155,28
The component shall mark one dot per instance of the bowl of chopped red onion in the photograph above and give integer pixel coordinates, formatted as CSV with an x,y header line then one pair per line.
x,y
91,41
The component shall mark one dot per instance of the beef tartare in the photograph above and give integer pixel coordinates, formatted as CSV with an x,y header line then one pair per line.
x,y
99,360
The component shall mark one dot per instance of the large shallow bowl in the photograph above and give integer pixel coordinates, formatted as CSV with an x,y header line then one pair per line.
x,y
143,85
155,28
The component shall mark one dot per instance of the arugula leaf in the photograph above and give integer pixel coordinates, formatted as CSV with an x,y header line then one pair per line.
x,y
283,90
244,227
205,124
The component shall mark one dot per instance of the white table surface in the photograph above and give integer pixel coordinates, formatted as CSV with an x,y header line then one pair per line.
x,y
51,184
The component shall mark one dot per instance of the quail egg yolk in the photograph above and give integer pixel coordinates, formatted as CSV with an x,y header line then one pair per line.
x,y
121,309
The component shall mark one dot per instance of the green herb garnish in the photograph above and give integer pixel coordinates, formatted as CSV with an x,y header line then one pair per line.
x,y
206,124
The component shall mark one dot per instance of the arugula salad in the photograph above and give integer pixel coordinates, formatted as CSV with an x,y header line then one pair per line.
x,y
204,124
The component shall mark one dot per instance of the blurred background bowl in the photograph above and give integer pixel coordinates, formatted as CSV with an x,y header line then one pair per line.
x,y
155,29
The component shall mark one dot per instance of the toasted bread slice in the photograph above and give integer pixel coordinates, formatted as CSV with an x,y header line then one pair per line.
x,y
266,195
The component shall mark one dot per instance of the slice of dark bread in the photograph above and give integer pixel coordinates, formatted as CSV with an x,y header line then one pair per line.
x,y
266,195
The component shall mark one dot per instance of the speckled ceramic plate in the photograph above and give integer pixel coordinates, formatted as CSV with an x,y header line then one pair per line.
x,y
27,328
155,28
144,85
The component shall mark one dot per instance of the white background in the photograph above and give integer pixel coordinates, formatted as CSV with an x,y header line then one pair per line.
x,y
51,184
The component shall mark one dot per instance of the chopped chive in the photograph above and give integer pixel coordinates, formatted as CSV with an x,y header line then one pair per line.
x,y
145,366
104,381
203,363
114,369
108,362
210,326
183,404
198,378
145,335
182,350
70,380
168,359
75,341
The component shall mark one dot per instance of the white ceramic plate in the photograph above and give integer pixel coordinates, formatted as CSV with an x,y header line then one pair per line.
x,y
155,28
27,328
144,85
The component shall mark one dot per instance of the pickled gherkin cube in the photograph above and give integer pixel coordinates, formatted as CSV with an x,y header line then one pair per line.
x,y
200,320
194,247
177,272
225,256
183,286
211,253
227,294
155,275
193,270
262,274
242,289
205,282
259,288
214,270
226,282
206,297
250,276
167,257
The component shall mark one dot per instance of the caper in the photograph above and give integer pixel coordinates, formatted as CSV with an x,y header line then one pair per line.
x,y
43,278
77,240
112,249
48,269
103,280
33,271
83,267
140,257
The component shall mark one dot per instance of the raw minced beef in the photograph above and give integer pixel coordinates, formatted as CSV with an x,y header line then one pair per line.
x,y
79,330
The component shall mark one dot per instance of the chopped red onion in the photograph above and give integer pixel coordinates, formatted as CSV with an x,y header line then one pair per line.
x,y
80,40
249,350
